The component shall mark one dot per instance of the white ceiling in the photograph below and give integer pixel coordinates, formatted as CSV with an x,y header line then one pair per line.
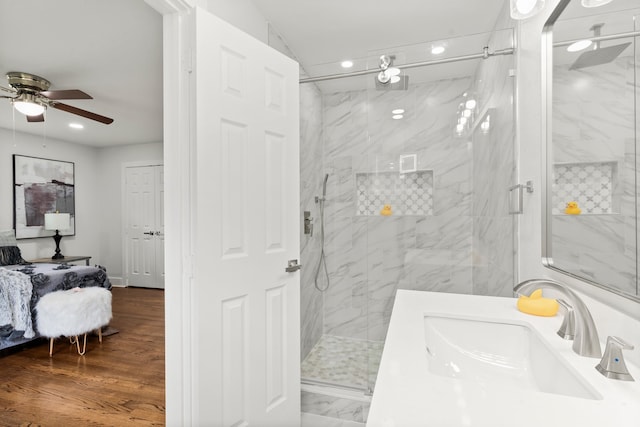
x,y
328,31
113,50
110,49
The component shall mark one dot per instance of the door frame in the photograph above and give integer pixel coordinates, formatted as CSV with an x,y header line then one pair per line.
x,y
180,188
179,156
123,213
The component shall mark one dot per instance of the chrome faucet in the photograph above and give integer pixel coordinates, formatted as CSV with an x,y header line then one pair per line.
x,y
586,342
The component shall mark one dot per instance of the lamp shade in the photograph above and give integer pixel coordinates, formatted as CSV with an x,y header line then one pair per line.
x,y
57,221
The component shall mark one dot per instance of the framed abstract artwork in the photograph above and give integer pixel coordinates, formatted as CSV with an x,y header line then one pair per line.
x,y
41,186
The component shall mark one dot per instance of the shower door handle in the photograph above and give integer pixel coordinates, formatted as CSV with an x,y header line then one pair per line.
x,y
518,208
292,265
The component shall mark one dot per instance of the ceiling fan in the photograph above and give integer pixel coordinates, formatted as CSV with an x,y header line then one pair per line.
x,y
31,96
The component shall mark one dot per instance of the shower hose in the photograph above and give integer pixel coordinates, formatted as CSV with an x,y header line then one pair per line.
x,y
322,263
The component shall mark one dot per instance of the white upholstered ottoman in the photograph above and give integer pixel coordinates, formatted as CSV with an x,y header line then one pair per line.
x,y
72,313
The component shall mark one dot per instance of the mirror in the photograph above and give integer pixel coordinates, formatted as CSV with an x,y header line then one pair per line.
x,y
593,135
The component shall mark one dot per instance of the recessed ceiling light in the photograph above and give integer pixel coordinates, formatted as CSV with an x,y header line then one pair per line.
x,y
397,111
470,104
579,45
346,64
523,9
397,116
595,3
76,126
437,50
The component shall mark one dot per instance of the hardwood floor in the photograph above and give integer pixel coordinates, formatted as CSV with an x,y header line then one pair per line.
x,y
119,382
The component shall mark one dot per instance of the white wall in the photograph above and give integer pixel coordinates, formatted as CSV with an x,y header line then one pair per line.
x,y
88,194
241,14
109,171
98,180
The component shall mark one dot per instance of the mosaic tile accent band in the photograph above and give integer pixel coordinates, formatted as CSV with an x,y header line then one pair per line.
x,y
407,193
589,184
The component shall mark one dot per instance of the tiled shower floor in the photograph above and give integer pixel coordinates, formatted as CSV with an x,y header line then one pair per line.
x,y
343,361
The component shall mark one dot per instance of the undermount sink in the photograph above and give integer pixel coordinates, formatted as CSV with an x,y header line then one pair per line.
x,y
499,354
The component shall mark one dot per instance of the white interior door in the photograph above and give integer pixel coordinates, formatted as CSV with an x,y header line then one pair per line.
x,y
144,226
246,322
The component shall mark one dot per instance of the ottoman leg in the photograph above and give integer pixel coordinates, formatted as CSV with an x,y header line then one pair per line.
x,y
50,347
84,347
100,334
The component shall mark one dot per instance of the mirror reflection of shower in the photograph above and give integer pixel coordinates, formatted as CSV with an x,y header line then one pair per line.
x,y
322,263
598,55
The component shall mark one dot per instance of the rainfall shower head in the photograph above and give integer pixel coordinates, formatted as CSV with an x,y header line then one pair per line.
x,y
402,83
389,77
598,55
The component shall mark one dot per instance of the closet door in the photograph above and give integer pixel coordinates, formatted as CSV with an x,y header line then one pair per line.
x,y
144,226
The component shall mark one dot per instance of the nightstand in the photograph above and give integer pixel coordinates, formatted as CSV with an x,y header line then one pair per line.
x,y
64,260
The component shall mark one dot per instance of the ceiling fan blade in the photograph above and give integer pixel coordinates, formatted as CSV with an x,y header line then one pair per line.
x,y
38,118
66,94
83,113
6,89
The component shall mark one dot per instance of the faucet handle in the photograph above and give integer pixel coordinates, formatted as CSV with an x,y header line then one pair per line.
x,y
568,328
612,364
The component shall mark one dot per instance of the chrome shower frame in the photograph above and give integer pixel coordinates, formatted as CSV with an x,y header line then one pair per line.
x,y
484,55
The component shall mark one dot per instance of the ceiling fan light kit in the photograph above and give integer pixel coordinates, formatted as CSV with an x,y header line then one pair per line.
x,y
32,97
28,105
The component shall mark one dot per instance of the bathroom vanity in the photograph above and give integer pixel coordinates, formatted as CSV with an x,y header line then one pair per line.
x,y
466,360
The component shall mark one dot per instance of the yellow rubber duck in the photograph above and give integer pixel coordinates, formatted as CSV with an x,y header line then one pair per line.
x,y
386,210
537,305
572,209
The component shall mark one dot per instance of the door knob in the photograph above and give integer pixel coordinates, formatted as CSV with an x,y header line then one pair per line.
x,y
292,265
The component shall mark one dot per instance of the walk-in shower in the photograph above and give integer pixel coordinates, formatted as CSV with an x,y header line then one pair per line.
x,y
447,228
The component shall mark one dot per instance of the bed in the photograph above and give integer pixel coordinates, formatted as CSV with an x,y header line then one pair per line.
x,y
22,284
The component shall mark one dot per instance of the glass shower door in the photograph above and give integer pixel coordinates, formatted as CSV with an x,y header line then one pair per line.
x,y
433,186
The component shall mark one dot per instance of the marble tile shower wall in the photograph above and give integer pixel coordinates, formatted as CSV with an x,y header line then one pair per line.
x,y
369,257
311,174
595,122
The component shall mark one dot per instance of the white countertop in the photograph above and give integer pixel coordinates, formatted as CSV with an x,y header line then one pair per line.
x,y
407,394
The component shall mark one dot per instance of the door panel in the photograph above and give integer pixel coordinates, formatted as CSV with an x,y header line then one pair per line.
x,y
247,314
144,229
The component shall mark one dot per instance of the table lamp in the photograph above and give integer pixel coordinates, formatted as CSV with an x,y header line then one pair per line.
x,y
57,221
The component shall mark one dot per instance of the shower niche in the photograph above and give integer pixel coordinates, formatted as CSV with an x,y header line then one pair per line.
x,y
593,185
409,193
